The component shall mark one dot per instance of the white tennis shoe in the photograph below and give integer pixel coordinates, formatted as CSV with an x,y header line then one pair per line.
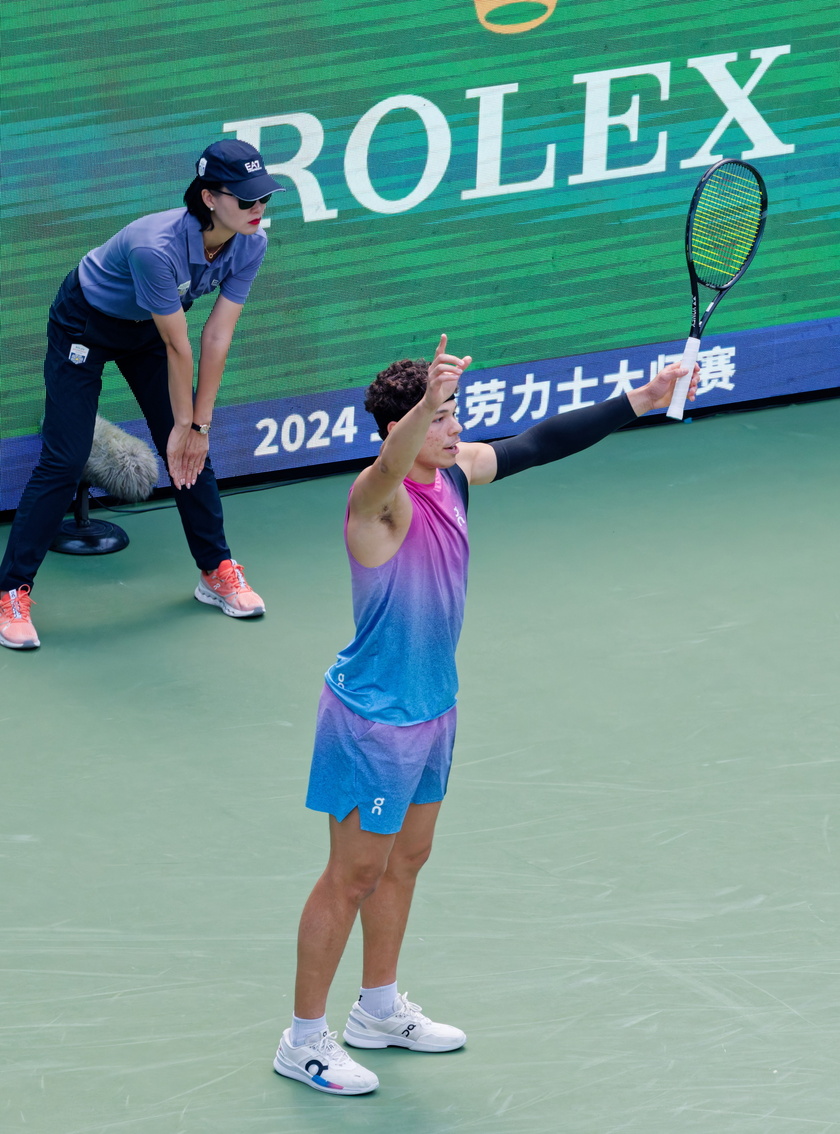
x,y
406,1027
324,1065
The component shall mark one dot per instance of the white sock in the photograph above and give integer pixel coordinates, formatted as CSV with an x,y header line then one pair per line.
x,y
379,1002
303,1029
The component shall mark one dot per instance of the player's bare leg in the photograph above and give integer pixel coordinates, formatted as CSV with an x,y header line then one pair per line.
x,y
399,1023
358,860
385,912
308,1050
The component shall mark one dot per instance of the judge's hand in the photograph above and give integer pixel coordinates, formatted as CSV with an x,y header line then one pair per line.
x,y
186,453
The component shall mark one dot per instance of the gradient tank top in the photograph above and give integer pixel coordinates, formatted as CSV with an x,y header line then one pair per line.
x,y
400,667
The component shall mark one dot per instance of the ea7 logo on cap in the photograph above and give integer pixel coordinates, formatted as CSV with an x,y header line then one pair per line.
x,y
253,166
202,165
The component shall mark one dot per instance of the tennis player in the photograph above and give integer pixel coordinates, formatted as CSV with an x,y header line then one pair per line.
x,y
386,720
126,303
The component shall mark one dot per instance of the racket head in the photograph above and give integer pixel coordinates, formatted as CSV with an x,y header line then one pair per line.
x,y
725,223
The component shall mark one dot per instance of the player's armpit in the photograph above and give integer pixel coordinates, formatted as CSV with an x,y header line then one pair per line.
x,y
374,537
375,492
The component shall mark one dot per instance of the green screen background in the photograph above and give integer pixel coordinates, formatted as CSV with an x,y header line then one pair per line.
x,y
108,105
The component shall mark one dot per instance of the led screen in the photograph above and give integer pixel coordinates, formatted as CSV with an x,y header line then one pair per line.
x,y
515,174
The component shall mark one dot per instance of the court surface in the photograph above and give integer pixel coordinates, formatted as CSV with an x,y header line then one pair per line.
x,y
633,905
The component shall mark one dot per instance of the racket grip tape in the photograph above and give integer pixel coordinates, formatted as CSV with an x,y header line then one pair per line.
x,y
689,358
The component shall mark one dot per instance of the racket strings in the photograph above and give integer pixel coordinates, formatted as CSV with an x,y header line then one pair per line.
x,y
726,222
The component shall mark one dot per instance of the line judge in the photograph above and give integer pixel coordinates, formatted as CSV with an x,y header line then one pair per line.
x,y
126,303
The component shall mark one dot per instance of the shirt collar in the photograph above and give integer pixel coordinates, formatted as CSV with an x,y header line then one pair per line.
x,y
195,243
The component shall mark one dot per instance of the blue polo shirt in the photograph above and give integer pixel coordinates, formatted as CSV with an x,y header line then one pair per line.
x,y
156,265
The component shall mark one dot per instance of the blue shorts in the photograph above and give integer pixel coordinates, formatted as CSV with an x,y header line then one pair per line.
x,y
378,768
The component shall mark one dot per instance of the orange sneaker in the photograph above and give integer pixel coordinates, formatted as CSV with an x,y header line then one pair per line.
x,y
226,587
16,629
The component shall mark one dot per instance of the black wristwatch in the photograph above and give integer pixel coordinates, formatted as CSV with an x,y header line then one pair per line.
x,y
201,428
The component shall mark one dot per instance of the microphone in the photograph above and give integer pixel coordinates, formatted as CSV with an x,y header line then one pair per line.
x,y
121,465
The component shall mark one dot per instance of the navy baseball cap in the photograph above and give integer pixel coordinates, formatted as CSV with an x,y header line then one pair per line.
x,y
239,167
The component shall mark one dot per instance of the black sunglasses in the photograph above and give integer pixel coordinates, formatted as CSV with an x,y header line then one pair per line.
x,y
244,204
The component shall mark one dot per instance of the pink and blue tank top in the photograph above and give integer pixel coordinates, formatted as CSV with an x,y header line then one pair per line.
x,y
400,667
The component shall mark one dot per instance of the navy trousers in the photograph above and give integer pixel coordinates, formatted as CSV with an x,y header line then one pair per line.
x,y
72,395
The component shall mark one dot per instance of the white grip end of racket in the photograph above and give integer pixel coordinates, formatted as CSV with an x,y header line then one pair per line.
x,y
689,358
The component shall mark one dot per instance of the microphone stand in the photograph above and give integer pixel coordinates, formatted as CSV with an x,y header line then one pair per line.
x,y
84,536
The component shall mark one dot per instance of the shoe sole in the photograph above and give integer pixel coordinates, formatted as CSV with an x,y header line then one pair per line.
x,y
397,1041
28,645
292,1071
217,600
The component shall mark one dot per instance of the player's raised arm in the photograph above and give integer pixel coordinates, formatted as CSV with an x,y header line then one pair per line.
x,y
567,433
378,485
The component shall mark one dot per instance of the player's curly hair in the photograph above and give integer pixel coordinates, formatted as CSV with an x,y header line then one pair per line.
x,y
397,389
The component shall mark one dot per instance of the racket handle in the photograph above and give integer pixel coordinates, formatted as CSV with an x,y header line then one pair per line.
x,y
689,358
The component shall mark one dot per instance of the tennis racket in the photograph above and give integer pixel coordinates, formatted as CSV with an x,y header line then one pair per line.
x,y
725,222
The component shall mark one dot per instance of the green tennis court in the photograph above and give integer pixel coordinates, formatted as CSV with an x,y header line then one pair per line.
x,y
633,904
